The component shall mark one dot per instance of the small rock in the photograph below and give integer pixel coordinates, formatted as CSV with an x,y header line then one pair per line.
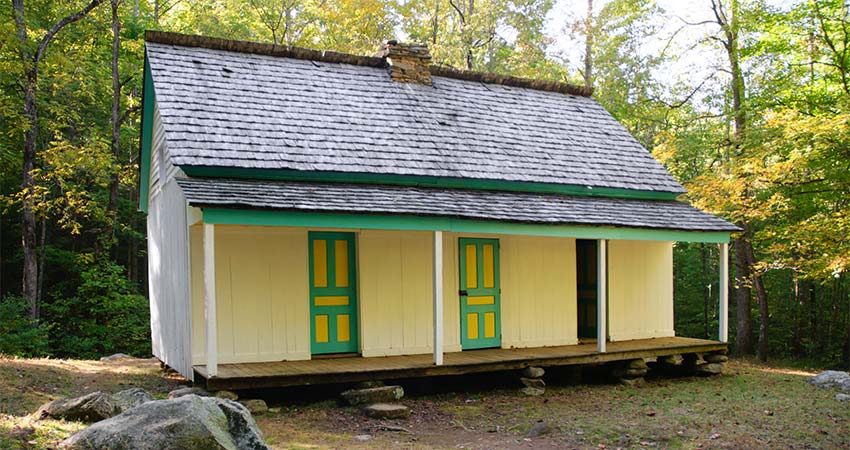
x,y
131,398
539,429
634,373
369,384
669,360
635,382
842,397
274,410
830,378
180,392
533,383
116,357
533,372
386,411
381,394
92,407
230,395
532,392
363,437
710,368
255,406
716,358
636,364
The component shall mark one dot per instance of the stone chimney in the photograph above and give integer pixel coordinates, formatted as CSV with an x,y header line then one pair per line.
x,y
408,62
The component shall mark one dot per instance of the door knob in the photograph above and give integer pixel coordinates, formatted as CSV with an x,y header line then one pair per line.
x,y
463,293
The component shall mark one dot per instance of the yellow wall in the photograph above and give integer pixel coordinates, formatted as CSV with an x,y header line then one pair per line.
x,y
263,297
262,293
538,291
640,290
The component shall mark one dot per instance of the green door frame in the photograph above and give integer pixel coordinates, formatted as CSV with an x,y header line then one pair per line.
x,y
479,291
333,311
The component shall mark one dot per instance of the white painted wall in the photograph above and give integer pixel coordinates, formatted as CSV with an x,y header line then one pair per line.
x,y
168,262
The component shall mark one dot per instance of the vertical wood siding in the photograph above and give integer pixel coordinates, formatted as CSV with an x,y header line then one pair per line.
x,y
168,262
262,295
538,291
640,290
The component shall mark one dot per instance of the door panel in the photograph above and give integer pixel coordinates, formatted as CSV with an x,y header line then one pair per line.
x,y
333,293
479,293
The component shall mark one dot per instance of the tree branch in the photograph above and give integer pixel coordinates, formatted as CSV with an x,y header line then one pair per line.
x,y
71,18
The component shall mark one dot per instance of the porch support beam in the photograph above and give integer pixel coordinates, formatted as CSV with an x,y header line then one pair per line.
x,y
723,292
601,294
209,300
438,298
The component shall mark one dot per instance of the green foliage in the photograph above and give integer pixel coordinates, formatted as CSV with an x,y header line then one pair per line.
x,y
104,316
20,335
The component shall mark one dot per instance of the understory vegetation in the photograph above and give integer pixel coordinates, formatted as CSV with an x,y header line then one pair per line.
x,y
746,102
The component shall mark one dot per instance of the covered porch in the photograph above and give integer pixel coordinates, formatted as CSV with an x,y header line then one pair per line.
x,y
355,368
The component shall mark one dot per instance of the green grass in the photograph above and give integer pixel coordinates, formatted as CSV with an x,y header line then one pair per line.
x,y
749,406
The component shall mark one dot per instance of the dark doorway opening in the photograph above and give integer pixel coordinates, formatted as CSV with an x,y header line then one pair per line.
x,y
587,284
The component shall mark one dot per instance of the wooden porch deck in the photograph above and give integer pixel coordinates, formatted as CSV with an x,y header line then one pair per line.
x,y
356,368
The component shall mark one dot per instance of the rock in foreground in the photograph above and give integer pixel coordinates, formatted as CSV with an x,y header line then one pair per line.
x,y
131,398
831,378
387,411
188,422
88,408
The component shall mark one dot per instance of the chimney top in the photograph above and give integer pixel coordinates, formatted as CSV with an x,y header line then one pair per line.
x,y
409,63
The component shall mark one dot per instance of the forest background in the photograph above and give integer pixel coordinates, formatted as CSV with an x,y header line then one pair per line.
x,y
746,102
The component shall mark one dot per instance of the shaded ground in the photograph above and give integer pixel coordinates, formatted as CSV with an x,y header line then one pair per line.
x,y
750,406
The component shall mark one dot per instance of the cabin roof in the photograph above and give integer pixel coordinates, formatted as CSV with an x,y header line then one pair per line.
x,y
520,207
251,109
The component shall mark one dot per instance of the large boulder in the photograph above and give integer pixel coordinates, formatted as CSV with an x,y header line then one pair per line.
x,y
131,398
383,394
88,408
831,378
187,422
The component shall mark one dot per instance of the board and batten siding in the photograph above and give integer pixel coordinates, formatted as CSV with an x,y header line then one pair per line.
x,y
640,290
168,261
262,296
538,291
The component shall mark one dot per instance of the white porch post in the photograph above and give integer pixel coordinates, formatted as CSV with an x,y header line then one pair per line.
x,y
438,298
723,292
601,294
209,299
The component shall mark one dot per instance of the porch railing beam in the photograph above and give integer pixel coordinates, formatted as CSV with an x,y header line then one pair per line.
x,y
209,300
601,295
723,292
438,298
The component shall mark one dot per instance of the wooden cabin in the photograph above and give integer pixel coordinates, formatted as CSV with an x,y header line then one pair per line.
x,y
321,217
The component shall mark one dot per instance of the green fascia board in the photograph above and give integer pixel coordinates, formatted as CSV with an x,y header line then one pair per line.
x,y
225,216
422,181
148,103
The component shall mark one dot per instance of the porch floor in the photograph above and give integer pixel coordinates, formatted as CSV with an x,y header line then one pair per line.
x,y
356,368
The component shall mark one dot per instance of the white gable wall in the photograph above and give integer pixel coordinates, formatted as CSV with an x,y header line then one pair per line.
x,y
168,261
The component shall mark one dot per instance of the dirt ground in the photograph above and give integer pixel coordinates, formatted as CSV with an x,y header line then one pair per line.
x,y
749,406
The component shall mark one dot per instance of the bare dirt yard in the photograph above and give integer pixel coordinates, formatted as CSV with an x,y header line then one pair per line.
x,y
749,406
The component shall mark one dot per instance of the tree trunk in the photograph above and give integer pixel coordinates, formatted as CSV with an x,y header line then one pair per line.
x,y
761,296
588,46
743,337
435,26
112,207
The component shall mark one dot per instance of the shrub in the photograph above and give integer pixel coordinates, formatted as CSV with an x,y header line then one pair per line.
x,y
19,334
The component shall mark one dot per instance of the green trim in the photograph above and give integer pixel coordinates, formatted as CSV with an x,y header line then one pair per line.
x,y
495,291
389,222
333,345
423,181
148,103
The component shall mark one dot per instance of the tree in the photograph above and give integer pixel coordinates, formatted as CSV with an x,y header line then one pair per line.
x,y
30,60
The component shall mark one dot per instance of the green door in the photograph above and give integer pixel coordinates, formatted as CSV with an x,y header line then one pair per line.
x,y
333,293
586,280
480,319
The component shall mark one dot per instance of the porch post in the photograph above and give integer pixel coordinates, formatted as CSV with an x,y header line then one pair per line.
x,y
209,299
601,294
438,298
723,292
